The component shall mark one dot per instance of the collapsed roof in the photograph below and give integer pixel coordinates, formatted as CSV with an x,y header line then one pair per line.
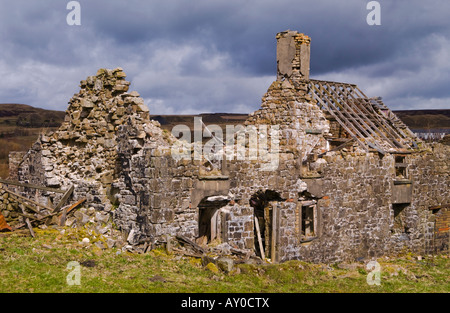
x,y
368,121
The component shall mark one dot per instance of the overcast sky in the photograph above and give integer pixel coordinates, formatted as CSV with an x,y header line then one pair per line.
x,y
199,56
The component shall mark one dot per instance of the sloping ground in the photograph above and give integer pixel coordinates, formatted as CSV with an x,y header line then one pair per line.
x,y
22,115
46,264
25,116
425,119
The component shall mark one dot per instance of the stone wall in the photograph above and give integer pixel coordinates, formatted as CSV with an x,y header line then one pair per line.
x,y
239,226
84,152
9,208
154,196
302,124
356,217
429,172
14,160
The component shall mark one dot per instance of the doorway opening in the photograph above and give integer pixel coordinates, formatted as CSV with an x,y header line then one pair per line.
x,y
210,220
263,205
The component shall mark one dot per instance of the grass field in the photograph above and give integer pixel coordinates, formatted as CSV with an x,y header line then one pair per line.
x,y
40,264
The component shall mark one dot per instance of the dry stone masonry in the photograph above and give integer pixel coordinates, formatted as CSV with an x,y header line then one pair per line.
x,y
336,193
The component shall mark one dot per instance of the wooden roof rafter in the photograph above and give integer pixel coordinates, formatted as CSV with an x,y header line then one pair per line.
x,y
362,117
354,113
376,124
346,116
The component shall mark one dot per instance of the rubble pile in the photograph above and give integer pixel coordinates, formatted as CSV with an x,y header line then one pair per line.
x,y
83,152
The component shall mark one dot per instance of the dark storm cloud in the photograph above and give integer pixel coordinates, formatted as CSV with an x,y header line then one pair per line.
x,y
203,55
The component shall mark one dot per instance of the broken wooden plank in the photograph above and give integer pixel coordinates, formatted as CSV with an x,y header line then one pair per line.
x,y
274,243
65,197
29,206
341,146
438,207
186,240
18,226
29,216
20,233
67,210
27,221
16,183
186,253
261,248
26,199
63,217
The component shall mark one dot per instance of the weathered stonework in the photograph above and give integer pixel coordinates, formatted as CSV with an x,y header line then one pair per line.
x,y
318,204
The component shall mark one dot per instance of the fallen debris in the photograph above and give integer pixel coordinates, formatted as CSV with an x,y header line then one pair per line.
x,y
185,241
222,256
67,210
33,213
27,221
19,198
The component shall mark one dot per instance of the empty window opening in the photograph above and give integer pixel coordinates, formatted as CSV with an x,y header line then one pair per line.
x,y
308,221
399,215
401,167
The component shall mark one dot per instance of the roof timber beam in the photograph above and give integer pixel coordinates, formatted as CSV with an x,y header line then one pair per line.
x,y
404,131
368,116
356,111
344,109
388,130
381,121
316,92
367,136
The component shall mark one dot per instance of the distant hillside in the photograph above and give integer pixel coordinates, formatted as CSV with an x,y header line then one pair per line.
x,y
20,124
425,119
23,115
415,119
26,116
169,121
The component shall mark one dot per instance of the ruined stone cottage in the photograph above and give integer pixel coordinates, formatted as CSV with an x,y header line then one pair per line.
x,y
350,179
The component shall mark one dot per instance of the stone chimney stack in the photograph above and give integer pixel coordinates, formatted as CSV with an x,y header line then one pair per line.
x,y
293,56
